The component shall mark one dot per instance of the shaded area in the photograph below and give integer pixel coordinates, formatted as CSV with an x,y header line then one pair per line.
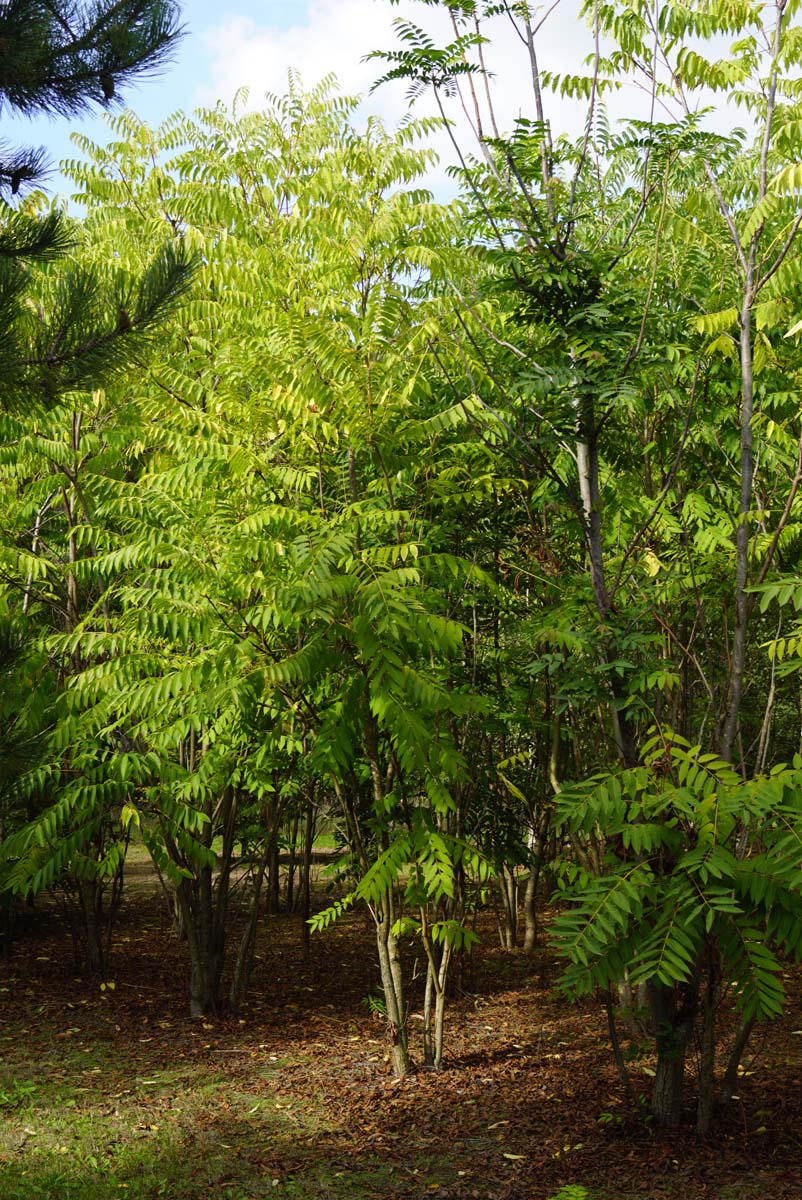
x,y
118,1092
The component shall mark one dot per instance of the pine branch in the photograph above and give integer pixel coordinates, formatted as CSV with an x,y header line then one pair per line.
x,y
62,57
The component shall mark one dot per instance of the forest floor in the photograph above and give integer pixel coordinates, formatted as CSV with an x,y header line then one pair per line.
x,y
115,1092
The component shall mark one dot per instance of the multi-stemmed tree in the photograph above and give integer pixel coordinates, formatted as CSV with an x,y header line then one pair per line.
x,y
650,279
269,581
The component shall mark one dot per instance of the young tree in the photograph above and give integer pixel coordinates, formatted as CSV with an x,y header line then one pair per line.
x,y
267,581
649,387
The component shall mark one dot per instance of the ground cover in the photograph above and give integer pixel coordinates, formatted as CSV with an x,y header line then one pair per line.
x,y
116,1092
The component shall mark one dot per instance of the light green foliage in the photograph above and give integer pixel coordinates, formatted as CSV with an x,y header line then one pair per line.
x,y
255,579
423,862
429,509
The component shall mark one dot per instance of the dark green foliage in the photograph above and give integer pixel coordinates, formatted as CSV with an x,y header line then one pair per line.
x,y
95,322
691,856
61,58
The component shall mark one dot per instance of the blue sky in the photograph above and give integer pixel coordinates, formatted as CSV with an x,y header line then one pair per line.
x,y
256,42
187,81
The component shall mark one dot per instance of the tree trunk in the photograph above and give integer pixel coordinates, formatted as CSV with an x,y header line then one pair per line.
x,y
205,952
705,1104
271,817
305,883
392,983
672,1027
273,882
618,1054
440,1007
730,1080
204,907
508,913
587,460
428,1018
290,888
90,898
666,1106
743,600
204,983
247,946
530,907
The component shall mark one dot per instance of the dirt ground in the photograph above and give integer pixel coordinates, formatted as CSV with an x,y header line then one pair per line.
x,y
528,1101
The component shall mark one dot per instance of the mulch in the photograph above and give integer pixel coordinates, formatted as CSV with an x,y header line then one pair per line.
x,y
528,1101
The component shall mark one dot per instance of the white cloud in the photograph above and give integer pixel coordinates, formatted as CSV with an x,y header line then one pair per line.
x,y
333,37
336,35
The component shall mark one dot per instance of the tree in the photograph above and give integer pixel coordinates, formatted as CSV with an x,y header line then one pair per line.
x,y
266,581
629,332
64,328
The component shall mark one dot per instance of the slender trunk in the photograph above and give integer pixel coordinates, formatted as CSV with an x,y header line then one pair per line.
x,y
743,603
730,1080
428,1017
530,906
438,958
705,1104
271,817
115,898
508,913
390,969
626,1002
305,885
752,284
274,881
384,918
290,889
440,1006
587,459
618,1054
244,964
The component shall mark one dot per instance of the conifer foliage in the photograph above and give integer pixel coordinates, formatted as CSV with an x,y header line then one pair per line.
x,y
60,58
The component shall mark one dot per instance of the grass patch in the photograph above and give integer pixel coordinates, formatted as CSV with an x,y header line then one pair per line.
x,y
179,1132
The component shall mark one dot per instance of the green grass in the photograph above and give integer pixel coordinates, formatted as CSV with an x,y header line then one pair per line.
x,y
182,1133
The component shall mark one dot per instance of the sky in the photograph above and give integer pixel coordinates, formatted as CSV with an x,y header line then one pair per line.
x,y
255,43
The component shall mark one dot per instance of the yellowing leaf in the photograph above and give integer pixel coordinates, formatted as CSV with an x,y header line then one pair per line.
x,y
651,562
716,322
128,814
